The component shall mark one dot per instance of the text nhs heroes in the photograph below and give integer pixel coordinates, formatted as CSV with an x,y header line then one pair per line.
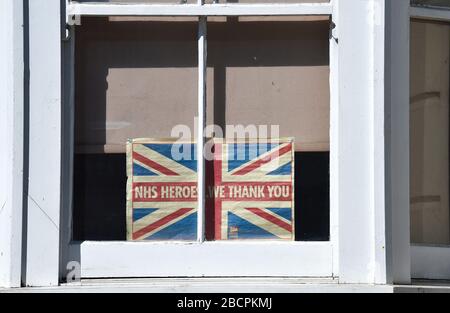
x,y
152,192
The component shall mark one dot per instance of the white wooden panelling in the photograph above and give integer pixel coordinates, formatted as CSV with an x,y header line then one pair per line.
x,y
44,189
11,138
105,9
378,161
214,259
356,222
430,262
362,242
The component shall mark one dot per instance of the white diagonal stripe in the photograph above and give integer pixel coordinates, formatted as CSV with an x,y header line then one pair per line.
x,y
261,157
264,208
147,168
156,216
263,223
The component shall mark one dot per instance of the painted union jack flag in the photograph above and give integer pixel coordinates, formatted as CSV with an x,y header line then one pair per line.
x,y
162,191
253,190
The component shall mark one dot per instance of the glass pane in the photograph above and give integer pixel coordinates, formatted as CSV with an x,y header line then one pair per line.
x,y
135,78
276,73
430,47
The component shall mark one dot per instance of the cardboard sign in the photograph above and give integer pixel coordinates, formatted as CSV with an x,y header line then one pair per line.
x,y
249,190
161,190
253,190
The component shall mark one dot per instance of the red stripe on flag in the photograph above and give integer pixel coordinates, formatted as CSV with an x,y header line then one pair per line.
x,y
261,162
154,165
271,218
218,201
160,223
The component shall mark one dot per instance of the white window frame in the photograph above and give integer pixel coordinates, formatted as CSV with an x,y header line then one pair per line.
x,y
237,259
430,261
364,246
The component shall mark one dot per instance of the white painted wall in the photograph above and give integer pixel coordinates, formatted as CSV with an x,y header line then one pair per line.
x,y
43,233
11,139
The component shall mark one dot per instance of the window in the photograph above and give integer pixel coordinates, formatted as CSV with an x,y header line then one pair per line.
x,y
359,197
429,139
136,77
430,221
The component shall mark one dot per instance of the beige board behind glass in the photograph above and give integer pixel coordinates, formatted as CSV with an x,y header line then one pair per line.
x,y
134,79
430,44
272,73
137,78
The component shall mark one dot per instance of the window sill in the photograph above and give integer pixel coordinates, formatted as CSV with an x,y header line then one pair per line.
x,y
212,285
